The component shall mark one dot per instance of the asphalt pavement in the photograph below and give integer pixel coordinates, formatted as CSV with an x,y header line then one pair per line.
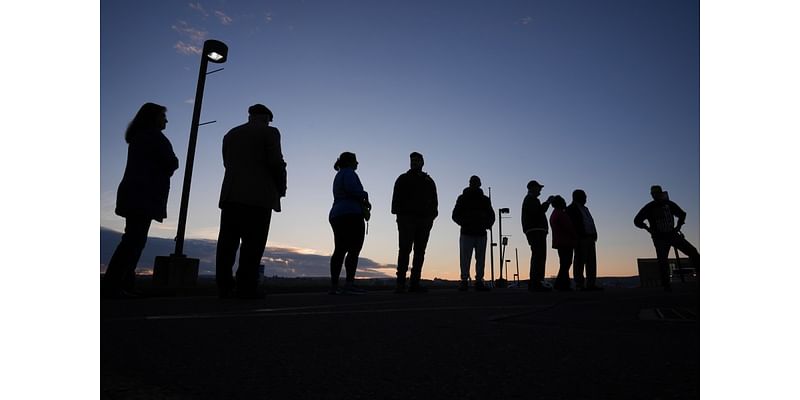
x,y
445,344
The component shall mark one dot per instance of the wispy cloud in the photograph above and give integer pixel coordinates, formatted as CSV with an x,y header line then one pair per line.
x,y
199,8
525,21
187,49
193,34
194,37
223,18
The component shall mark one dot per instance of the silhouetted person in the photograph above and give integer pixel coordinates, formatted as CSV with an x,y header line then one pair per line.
x,y
474,213
141,196
416,205
564,241
255,180
660,214
350,208
585,248
534,225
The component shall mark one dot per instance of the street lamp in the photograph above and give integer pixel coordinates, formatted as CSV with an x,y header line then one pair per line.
x,y
503,242
177,270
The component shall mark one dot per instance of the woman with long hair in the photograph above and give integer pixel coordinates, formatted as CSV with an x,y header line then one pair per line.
x,y
350,208
564,241
141,196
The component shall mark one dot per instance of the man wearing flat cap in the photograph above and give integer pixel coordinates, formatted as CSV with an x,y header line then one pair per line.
x,y
534,225
254,182
660,216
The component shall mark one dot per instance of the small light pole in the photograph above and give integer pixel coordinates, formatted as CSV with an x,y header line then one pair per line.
x,y
177,270
503,242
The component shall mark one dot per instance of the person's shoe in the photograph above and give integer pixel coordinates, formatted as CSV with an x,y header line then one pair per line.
x,y
335,291
539,289
251,295
225,293
351,288
463,286
417,289
481,287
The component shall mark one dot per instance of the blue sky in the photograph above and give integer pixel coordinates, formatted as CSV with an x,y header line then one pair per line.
x,y
598,95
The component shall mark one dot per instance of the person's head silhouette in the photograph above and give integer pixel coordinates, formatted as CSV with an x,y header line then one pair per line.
x,y
558,202
657,193
474,181
535,188
579,197
416,161
259,113
346,160
151,117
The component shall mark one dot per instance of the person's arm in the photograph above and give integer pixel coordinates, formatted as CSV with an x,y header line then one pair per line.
x,y
678,212
276,164
435,198
397,194
353,187
457,212
638,220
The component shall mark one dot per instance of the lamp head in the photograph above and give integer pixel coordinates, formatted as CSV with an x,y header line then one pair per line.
x,y
215,51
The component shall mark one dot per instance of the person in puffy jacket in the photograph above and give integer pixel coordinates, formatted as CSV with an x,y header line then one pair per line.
x,y
141,196
350,208
474,213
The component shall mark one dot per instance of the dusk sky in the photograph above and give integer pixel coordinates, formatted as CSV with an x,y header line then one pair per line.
x,y
598,95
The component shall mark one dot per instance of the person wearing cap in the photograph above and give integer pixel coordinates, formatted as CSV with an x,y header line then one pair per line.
x,y
254,182
474,213
416,205
660,216
585,247
534,225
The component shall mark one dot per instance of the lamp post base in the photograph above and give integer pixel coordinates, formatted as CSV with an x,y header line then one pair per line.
x,y
175,272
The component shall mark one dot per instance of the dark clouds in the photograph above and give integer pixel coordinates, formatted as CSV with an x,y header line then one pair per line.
x,y
278,261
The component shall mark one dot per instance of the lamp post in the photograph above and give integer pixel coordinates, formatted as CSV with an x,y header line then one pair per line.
x,y
503,242
177,270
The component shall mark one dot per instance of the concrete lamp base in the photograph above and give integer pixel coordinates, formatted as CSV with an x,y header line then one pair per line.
x,y
175,272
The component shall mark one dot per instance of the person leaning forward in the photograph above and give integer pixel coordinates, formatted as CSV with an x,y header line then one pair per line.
x,y
254,182
416,205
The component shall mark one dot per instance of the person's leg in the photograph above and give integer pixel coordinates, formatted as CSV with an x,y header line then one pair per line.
x,y
354,242
579,264
337,258
122,266
687,248
591,263
465,250
480,257
422,232
541,255
227,246
254,242
405,234
564,262
662,253
532,271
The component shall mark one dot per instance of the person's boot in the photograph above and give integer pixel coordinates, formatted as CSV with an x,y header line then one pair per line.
x,y
463,285
481,287
401,284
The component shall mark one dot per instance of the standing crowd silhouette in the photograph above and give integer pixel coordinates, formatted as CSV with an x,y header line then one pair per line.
x,y
255,181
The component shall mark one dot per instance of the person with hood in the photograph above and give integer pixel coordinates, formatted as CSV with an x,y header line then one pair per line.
x,y
350,208
416,205
474,214
141,196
